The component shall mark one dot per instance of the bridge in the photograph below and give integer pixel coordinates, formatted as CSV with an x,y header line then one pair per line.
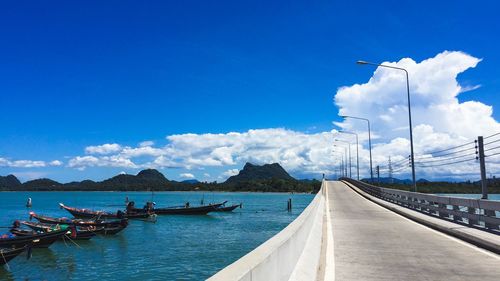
x,y
355,231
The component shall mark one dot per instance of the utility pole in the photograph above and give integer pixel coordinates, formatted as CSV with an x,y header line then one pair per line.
x,y
342,166
378,175
482,165
390,171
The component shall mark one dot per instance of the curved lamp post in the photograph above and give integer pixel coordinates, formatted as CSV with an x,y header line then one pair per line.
x,y
345,156
357,151
349,146
341,160
409,114
369,140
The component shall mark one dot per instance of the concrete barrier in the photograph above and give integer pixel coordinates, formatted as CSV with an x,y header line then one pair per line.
x,y
292,254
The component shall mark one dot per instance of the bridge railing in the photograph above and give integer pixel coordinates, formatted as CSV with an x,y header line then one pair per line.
x,y
477,213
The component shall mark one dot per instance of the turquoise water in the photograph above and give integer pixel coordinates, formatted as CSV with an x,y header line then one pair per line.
x,y
173,248
474,196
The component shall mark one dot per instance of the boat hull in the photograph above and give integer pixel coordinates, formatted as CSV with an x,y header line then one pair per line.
x,y
202,210
41,240
105,227
8,254
227,209
88,214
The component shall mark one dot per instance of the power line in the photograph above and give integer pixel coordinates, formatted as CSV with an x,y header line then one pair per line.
x,y
400,161
446,159
443,164
492,154
492,148
400,169
400,165
458,146
491,136
491,142
447,154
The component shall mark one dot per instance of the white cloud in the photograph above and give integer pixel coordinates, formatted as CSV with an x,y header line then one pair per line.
x,y
187,175
103,161
129,152
440,120
4,162
55,163
27,164
231,172
146,143
106,148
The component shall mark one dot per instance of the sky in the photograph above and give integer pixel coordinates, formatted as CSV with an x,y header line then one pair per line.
x,y
197,88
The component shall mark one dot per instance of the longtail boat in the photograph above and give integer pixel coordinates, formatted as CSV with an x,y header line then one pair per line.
x,y
39,240
86,213
75,233
228,208
6,254
109,227
182,210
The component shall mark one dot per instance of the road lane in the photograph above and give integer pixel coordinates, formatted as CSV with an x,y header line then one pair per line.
x,y
373,243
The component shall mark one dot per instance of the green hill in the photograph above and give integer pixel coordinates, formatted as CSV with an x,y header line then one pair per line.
x,y
9,181
265,172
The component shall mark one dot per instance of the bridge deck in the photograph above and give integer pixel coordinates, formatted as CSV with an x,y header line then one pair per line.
x,y
373,243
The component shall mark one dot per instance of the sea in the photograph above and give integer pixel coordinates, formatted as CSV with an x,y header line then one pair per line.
x,y
473,196
176,247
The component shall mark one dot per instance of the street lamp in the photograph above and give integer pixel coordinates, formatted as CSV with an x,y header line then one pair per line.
x,y
357,151
409,114
349,146
345,156
337,175
341,160
369,140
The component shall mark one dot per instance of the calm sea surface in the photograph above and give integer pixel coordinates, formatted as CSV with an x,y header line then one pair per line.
x,y
173,248
475,196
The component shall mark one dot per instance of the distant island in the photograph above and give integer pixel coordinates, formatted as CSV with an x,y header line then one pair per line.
x,y
264,178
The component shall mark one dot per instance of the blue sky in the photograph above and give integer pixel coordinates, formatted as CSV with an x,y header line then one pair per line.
x,y
75,75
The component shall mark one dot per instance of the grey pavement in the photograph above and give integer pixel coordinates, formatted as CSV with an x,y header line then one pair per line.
x,y
373,243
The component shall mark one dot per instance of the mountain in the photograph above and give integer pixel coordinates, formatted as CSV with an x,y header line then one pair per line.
x,y
389,180
253,172
191,181
9,181
149,178
265,178
152,175
41,184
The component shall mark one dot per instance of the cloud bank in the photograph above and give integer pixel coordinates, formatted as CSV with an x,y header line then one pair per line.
x,y
4,162
440,121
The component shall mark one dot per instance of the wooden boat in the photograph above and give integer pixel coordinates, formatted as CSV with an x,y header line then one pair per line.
x,y
39,240
228,208
6,254
81,233
79,222
86,213
109,227
184,210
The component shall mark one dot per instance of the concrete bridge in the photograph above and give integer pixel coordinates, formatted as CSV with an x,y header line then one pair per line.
x,y
355,231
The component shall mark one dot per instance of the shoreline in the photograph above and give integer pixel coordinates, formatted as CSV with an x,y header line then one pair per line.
x,y
147,191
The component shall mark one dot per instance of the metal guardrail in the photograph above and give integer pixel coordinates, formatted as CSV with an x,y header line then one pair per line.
x,y
478,213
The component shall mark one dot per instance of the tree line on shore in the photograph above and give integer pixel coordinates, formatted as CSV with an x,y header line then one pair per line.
x,y
252,178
